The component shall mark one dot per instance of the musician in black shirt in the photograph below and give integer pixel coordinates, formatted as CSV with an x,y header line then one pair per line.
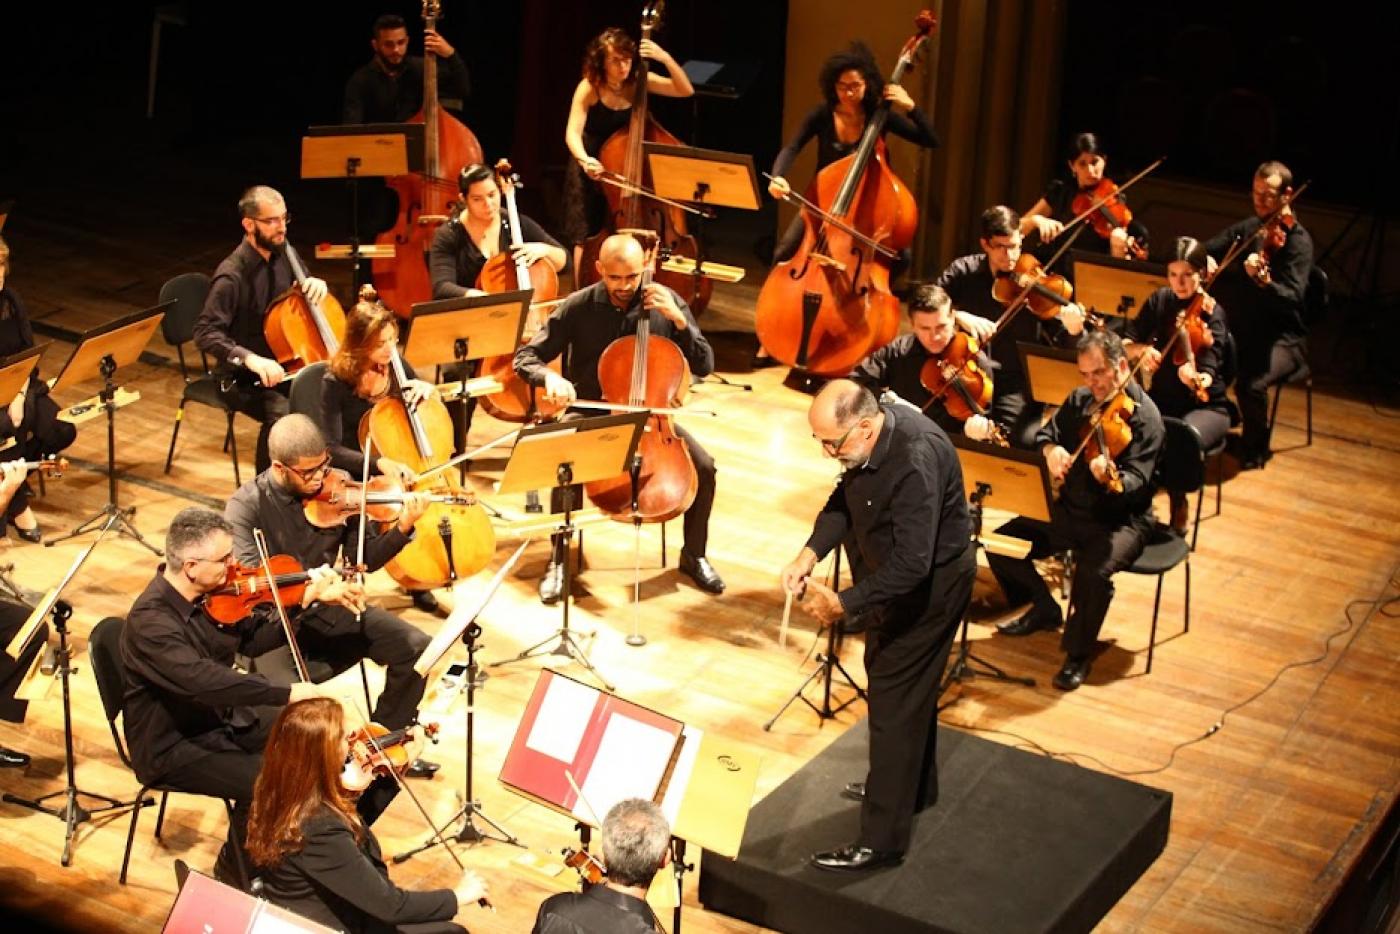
x,y
389,87
1107,530
902,504
582,328
1048,216
230,326
12,617
1266,308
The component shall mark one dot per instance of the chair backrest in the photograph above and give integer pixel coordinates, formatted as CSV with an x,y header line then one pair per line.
x,y
189,291
304,398
1316,297
104,651
1182,465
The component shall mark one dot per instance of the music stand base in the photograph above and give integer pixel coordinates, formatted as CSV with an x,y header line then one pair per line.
x,y
962,668
827,666
636,639
565,645
468,833
110,515
71,813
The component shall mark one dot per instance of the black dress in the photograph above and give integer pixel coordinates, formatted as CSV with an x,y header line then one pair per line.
x,y
585,208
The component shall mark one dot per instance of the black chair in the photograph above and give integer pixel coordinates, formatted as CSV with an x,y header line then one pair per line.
x,y
308,385
1301,375
1180,467
1316,303
105,652
189,291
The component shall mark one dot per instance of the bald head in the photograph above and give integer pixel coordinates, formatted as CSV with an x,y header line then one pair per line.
x,y
623,247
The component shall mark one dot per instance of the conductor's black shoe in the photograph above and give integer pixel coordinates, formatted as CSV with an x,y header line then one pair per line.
x,y
425,601
856,858
702,572
1072,674
854,790
13,759
422,768
552,584
1033,620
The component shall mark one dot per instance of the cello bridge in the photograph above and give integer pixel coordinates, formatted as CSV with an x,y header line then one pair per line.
x,y
821,259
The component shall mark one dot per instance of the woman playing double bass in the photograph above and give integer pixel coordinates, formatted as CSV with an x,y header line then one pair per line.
x,y
602,105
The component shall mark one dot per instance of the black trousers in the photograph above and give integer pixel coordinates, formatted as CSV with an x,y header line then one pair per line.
x,y
332,640
12,617
1263,365
41,433
1100,551
904,662
261,404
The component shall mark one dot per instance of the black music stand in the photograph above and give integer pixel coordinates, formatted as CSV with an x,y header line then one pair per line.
x,y
1112,286
1020,481
71,813
560,455
102,351
359,151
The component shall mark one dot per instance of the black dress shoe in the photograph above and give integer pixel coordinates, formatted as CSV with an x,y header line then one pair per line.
x,y
34,535
1255,460
854,790
702,572
552,584
856,858
763,361
13,759
425,601
1033,620
1072,674
422,768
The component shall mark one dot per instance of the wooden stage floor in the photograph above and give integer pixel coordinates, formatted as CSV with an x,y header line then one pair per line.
x,y
1294,586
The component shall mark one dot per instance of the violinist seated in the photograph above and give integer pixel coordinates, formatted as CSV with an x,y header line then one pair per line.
x,y
313,851
194,721
636,846
230,326
1185,386
969,280
338,630
1064,199
1107,530
582,328
12,617
357,378
900,367
31,416
1266,297
601,106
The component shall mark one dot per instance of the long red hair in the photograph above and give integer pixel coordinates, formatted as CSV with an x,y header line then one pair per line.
x,y
362,333
300,775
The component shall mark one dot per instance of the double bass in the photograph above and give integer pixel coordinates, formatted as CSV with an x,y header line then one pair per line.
x,y
425,199
622,155
830,305
518,401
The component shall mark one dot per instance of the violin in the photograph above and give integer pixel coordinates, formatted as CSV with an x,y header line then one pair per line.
x,y
375,750
1107,432
1192,336
644,370
299,331
590,868
247,587
48,466
956,368
1045,293
341,496
1107,212
830,305
1273,235
518,401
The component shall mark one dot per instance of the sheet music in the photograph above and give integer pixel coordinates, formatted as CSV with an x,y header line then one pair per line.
x,y
563,716
630,762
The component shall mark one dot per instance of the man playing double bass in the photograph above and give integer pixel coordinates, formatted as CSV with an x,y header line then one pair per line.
x,y
230,326
582,328
389,87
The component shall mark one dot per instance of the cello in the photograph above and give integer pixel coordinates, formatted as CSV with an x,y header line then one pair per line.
x,y
299,331
424,198
643,370
518,401
830,305
622,156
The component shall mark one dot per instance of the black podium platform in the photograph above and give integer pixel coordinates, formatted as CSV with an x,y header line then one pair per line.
x,y
1017,842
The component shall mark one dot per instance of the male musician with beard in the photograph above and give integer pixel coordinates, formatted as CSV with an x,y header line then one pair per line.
x,y
1107,530
968,281
581,329
389,87
230,326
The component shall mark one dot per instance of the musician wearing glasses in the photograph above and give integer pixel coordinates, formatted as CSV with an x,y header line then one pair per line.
x,y
230,326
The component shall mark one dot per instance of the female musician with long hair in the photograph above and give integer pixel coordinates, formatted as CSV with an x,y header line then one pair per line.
x,y
1086,160
602,105
313,851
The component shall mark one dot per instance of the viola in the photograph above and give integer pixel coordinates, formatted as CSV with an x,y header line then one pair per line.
x,y
375,750
955,377
426,199
830,305
1107,212
1108,433
518,401
1045,292
622,155
644,370
590,868
247,587
299,331
381,500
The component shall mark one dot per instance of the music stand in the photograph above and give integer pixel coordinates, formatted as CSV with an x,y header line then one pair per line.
x,y
1052,373
361,151
1113,286
102,351
71,813
16,369
6,207
560,455
1020,481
